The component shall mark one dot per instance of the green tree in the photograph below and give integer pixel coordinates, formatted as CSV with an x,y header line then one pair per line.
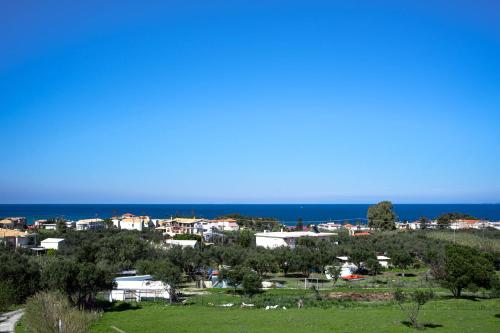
x,y
303,260
412,303
299,226
381,216
81,281
234,276
20,273
252,283
169,274
444,221
61,225
260,261
360,255
401,259
373,266
424,222
7,295
245,239
334,271
282,257
464,268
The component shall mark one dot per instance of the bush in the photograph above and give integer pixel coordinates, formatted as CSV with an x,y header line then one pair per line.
x,y
51,312
251,283
7,295
411,304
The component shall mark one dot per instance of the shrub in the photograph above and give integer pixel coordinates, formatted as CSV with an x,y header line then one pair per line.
x,y
411,303
51,312
252,283
7,295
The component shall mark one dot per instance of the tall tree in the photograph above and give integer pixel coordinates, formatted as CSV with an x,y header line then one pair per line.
x,y
381,216
299,226
424,222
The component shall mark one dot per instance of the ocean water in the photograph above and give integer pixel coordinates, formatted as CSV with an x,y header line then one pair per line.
x,y
286,213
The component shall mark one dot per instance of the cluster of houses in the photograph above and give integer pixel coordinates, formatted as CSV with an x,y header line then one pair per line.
x,y
459,224
15,230
363,229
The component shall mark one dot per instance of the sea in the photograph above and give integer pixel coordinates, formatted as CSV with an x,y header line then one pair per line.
x,y
286,213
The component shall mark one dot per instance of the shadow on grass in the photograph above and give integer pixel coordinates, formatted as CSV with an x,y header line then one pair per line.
x,y
497,315
472,298
423,326
294,275
123,307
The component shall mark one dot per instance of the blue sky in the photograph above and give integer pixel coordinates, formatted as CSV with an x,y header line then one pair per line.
x,y
249,102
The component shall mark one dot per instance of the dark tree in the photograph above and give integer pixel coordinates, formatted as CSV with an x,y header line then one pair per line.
x,y
464,268
252,283
299,226
234,276
424,222
381,216
401,259
373,266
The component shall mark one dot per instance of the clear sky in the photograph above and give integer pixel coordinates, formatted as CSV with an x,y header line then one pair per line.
x,y
249,101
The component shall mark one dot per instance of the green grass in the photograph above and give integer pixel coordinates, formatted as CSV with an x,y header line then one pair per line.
x,y
467,239
443,316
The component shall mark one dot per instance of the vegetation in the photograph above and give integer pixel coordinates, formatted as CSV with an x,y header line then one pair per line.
x,y
411,304
381,216
441,316
463,268
462,264
51,312
444,220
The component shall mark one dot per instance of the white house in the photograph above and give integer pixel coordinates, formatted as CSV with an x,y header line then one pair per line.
x,y
181,242
52,243
132,222
88,224
137,288
17,238
383,261
52,224
273,240
330,226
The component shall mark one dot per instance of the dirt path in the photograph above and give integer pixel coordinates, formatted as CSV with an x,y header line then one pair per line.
x,y
8,321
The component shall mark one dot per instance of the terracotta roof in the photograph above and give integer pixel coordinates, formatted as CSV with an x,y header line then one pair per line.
x,y
362,234
11,233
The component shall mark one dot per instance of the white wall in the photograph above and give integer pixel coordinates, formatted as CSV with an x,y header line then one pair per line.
x,y
269,242
50,245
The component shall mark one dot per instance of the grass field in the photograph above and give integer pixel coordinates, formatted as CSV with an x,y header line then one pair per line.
x,y
467,239
439,316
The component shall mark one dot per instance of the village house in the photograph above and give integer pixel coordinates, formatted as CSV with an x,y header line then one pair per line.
x,y
330,226
273,240
13,223
17,238
346,268
90,224
357,230
51,224
7,224
52,243
131,222
138,288
181,242
182,225
383,261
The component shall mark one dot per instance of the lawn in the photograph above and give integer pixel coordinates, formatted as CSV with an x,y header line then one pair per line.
x,y
440,316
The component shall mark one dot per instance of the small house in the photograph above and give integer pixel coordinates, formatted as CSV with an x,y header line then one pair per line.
x,y
138,288
52,243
